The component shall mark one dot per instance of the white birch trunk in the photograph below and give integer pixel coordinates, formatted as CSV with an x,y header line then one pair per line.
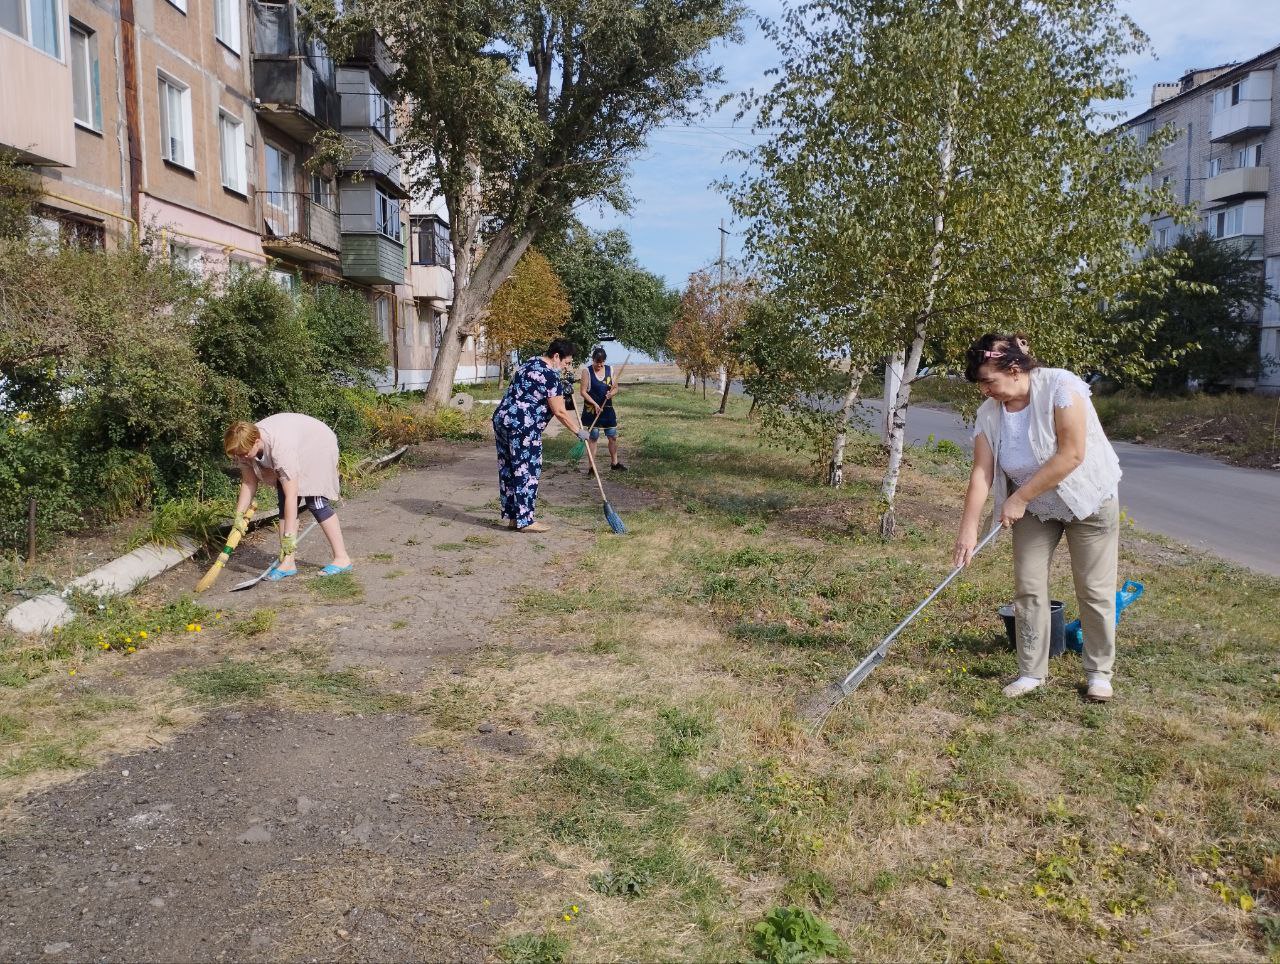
x,y
892,382
898,423
836,477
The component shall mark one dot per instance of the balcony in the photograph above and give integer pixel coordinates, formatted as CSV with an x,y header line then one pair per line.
x,y
293,75
35,111
1241,120
433,283
371,50
298,227
1239,183
369,154
372,259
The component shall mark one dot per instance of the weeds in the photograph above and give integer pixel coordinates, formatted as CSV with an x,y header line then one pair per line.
x,y
340,588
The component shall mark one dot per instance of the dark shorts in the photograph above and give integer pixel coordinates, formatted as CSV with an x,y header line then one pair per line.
x,y
610,432
317,505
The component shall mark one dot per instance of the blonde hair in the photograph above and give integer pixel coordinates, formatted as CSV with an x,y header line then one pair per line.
x,y
240,438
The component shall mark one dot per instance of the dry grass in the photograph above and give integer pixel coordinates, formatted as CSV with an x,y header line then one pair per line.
x,y
933,819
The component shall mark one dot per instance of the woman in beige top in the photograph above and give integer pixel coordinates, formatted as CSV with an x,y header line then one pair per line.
x,y
299,456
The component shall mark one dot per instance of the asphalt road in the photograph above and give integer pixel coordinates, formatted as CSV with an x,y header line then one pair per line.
x,y
1230,511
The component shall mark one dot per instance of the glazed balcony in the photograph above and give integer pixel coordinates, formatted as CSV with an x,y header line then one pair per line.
x,y
293,75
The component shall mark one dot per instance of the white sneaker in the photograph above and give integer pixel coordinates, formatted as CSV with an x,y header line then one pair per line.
x,y
1099,688
1022,686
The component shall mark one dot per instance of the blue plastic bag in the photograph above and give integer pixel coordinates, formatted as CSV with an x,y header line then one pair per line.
x,y
1125,597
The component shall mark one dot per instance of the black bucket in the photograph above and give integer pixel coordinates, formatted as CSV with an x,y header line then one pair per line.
x,y
1057,627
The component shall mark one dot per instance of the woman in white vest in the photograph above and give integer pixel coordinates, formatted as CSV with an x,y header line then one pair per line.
x,y
1039,445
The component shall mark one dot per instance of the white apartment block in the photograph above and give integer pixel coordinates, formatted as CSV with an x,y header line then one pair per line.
x,y
1225,162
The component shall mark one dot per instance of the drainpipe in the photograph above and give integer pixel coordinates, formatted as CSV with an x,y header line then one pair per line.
x,y
133,125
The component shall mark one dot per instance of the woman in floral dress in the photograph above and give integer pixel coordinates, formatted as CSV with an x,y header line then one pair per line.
x,y
537,392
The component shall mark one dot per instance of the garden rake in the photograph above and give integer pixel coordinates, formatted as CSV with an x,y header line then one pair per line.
x,y
250,583
576,452
821,705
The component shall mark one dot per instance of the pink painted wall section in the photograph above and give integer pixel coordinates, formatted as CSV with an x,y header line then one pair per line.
x,y
35,103
216,242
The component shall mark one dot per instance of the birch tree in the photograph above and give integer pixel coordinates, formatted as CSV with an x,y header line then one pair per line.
x,y
936,169
515,111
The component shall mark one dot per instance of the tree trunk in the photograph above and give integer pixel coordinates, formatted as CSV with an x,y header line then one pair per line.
x,y
898,424
688,379
724,395
704,388
892,382
751,412
836,477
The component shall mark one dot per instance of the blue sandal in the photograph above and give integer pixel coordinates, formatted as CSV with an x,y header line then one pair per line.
x,y
275,575
332,570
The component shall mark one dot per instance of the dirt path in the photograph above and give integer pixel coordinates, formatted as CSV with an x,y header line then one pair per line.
x,y
267,831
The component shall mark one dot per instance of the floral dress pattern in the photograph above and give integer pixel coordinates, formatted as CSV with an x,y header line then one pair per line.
x,y
518,423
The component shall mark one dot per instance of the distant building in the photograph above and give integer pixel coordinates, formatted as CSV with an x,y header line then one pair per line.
x,y
1226,163
189,125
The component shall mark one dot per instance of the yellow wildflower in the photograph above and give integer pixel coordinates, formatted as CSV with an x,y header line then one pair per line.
x,y
71,672
574,908
132,649
191,627
142,634
566,916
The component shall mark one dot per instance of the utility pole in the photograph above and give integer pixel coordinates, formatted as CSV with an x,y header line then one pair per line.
x,y
723,234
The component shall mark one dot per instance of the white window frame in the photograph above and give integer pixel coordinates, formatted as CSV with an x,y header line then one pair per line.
x,y
231,142
182,95
383,205
1162,237
27,21
83,58
226,24
185,256
286,280
1250,155
179,4
1214,167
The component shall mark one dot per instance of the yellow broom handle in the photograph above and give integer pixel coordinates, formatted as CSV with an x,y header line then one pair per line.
x,y
238,529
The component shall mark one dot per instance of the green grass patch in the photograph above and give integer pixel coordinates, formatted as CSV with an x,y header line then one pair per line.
x,y
256,623
675,769
231,680
340,588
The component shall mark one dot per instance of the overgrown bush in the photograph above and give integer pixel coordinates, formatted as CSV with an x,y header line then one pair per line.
x,y
120,372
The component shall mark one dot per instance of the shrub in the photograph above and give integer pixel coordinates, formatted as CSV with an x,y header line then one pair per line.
x,y
348,346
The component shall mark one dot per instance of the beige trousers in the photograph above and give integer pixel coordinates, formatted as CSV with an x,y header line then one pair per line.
x,y
1094,544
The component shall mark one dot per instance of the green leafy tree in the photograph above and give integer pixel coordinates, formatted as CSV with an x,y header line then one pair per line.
x,y
936,170
529,309
515,111
1209,315
609,292
704,340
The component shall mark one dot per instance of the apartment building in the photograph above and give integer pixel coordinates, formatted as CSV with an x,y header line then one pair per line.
x,y
189,125
1225,162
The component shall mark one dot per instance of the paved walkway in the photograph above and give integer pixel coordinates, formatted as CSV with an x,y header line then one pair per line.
x,y
1231,511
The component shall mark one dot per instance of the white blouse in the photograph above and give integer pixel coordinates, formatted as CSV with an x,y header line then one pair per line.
x,y
1019,462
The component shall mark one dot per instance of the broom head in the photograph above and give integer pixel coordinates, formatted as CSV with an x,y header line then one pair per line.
x,y
614,520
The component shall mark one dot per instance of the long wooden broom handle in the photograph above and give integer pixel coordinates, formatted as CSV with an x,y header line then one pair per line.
x,y
596,474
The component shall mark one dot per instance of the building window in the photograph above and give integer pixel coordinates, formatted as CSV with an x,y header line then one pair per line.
x,y
382,315
322,192
429,240
226,23
1228,96
180,4
1250,156
175,123
382,115
35,21
1227,223
386,215
1214,167
287,280
1162,238
231,147
280,200
184,257
86,96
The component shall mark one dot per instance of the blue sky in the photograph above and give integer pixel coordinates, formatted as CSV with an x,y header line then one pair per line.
x,y
674,223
